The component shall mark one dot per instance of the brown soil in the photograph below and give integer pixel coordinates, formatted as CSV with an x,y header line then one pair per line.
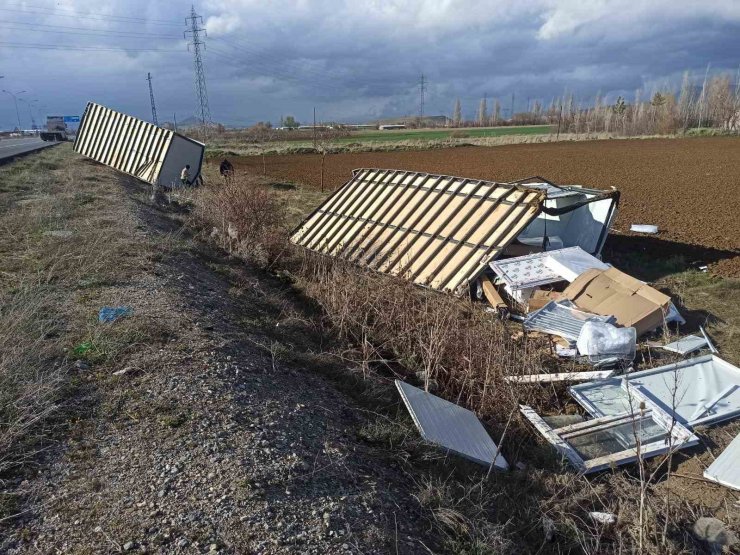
x,y
689,188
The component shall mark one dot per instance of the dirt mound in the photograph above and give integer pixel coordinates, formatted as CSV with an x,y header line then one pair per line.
x,y
687,187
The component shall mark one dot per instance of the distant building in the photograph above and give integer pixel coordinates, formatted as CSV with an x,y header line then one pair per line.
x,y
389,126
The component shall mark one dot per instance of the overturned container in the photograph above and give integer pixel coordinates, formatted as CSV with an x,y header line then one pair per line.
x,y
136,147
442,232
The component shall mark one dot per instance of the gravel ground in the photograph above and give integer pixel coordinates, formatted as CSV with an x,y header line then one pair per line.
x,y
207,442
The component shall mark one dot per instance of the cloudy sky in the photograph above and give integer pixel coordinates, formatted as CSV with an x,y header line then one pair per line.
x,y
354,60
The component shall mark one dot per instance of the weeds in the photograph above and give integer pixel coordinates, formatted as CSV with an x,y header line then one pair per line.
x,y
246,216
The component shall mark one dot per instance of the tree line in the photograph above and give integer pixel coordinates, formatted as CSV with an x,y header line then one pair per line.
x,y
713,104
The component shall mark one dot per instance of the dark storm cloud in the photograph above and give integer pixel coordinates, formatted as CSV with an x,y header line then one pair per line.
x,y
362,60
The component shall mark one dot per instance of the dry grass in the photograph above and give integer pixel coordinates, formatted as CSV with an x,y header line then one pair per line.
x,y
65,244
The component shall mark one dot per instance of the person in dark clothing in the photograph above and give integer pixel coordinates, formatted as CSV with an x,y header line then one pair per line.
x,y
226,169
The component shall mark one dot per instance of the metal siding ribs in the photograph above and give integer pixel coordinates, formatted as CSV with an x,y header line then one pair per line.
x,y
434,230
126,143
450,426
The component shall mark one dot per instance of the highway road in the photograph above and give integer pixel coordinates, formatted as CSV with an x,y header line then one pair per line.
x,y
21,145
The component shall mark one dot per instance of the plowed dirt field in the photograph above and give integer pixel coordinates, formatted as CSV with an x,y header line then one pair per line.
x,y
689,188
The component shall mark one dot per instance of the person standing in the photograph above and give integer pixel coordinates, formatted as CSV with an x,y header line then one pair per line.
x,y
226,169
185,175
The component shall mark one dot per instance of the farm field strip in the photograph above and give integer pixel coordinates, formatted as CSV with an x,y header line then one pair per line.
x,y
687,187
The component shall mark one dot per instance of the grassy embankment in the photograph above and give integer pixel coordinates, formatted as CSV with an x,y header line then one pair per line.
x,y
69,245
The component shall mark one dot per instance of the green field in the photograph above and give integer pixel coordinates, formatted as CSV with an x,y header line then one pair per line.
x,y
432,134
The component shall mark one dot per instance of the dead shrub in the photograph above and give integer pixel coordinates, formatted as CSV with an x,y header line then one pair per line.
x,y
247,216
459,135
454,348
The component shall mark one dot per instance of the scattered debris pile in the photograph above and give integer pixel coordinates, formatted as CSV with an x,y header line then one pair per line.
x,y
531,250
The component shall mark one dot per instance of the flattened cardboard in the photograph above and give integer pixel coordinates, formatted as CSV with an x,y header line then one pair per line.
x,y
611,292
541,297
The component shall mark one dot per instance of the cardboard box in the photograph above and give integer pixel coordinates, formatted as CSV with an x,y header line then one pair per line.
x,y
611,292
540,298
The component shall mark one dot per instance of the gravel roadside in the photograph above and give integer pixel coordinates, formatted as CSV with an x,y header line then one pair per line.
x,y
208,441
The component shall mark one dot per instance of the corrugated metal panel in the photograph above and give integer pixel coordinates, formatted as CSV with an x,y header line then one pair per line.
x,y
434,230
725,469
450,426
126,143
561,320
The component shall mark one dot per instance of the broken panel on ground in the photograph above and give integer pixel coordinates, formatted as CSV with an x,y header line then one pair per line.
x,y
450,426
601,443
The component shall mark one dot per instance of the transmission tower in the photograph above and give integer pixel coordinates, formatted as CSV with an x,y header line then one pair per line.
x,y
195,23
151,98
422,89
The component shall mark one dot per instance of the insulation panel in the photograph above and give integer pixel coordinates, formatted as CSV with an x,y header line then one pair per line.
x,y
450,426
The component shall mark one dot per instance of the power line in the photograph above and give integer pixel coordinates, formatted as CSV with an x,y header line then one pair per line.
x,y
151,98
422,88
81,48
200,76
83,31
56,9
111,18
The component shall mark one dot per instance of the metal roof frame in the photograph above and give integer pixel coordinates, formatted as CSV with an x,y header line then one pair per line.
x,y
437,231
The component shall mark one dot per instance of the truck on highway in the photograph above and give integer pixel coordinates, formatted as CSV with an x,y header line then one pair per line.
x,y
56,129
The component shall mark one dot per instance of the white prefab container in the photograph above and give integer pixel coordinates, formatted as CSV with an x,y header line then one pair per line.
x,y
136,147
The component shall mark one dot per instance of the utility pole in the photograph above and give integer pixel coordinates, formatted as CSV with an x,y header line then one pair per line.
x,y
314,127
512,107
174,118
195,24
15,99
151,99
29,103
422,89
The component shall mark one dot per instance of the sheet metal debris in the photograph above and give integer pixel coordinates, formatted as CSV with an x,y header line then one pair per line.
x,y
701,390
561,377
709,341
644,228
686,345
559,319
450,426
725,469
440,231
